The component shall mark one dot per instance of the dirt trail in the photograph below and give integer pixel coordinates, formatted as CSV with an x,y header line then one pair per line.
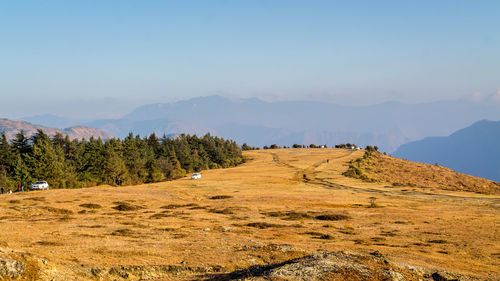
x,y
308,173
311,177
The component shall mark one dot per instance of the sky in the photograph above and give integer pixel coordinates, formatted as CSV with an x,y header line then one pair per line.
x,y
103,58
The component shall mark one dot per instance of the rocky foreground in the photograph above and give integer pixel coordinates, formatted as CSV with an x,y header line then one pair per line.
x,y
341,265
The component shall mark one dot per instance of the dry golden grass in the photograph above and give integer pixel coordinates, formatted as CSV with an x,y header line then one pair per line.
x,y
400,172
264,211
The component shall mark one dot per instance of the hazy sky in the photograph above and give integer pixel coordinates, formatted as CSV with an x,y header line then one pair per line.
x,y
78,57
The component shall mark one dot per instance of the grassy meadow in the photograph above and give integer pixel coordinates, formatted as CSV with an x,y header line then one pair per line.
x,y
280,204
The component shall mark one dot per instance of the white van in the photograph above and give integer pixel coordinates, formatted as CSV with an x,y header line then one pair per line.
x,y
196,176
39,185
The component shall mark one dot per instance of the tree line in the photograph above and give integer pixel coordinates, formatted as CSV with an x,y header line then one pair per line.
x,y
342,145
66,163
245,146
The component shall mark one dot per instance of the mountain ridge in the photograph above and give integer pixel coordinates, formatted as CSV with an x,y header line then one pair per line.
x,y
472,150
391,124
11,128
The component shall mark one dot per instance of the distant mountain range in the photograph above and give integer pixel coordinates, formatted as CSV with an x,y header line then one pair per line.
x,y
259,123
474,150
11,128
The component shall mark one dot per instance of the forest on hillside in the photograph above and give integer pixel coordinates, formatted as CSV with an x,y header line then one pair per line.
x,y
66,163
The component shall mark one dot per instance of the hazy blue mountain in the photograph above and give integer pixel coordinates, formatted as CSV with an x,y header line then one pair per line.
x,y
257,122
474,150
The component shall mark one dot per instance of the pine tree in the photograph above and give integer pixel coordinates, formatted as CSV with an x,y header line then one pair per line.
x,y
44,162
155,174
92,162
21,172
115,171
7,155
21,144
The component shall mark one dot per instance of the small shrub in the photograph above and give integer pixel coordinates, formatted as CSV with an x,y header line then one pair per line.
x,y
313,233
123,232
332,217
377,239
175,206
48,243
159,215
263,225
126,207
90,206
172,206
66,218
57,210
216,197
438,241
388,233
225,211
348,229
326,237
289,215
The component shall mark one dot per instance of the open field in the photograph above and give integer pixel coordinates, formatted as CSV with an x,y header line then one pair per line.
x,y
281,204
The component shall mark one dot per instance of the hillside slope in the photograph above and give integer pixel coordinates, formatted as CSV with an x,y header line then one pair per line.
x,y
474,150
399,172
11,128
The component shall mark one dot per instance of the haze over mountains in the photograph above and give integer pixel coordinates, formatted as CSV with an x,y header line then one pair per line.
x,y
259,123
474,150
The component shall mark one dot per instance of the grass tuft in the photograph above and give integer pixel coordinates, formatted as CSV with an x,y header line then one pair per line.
x,y
263,225
126,207
332,217
90,206
217,197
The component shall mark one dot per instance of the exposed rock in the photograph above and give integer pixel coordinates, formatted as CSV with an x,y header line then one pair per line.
x,y
444,276
395,276
227,228
338,266
147,272
10,268
317,267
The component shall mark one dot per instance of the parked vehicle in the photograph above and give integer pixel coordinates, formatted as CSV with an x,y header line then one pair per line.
x,y
39,185
196,176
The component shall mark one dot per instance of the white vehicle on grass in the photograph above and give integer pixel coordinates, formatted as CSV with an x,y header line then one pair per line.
x,y
39,185
196,176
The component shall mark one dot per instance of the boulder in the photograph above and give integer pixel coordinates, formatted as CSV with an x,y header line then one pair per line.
x,y
10,268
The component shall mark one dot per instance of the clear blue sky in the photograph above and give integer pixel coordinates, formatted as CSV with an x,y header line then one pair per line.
x,y
70,53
